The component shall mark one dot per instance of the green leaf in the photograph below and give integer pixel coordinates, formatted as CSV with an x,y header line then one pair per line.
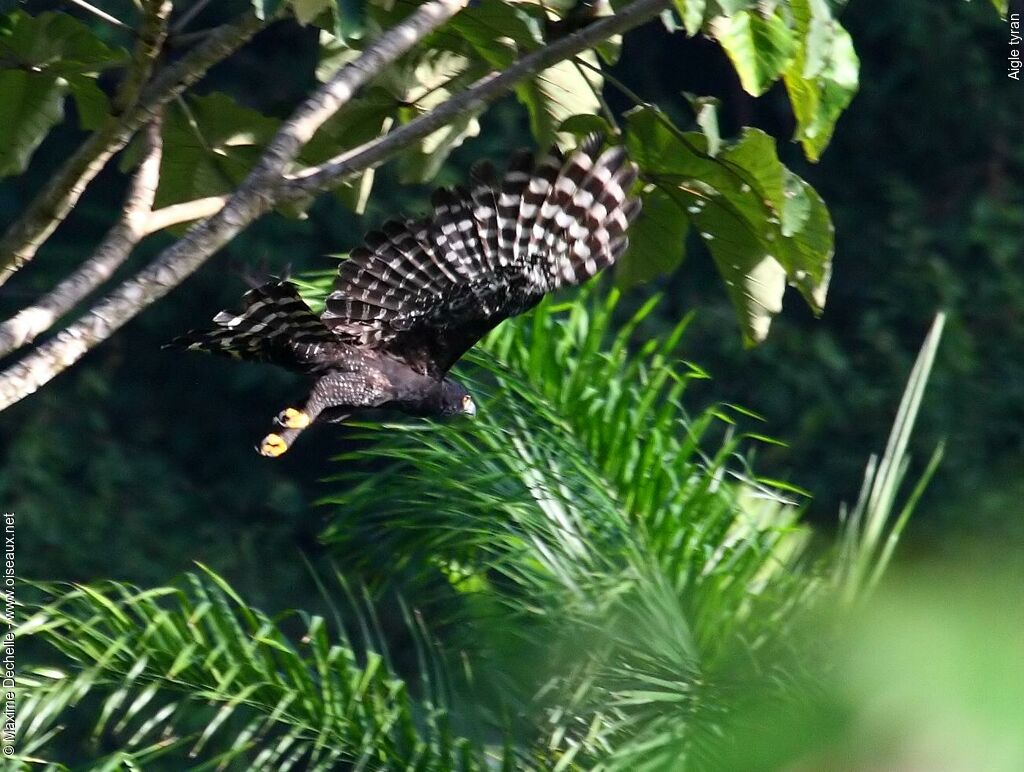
x,y
32,104
1002,6
40,57
585,124
54,43
361,120
760,47
763,225
432,82
349,20
334,54
557,93
754,279
706,111
90,101
692,14
497,32
656,240
264,9
307,10
823,76
210,144
729,7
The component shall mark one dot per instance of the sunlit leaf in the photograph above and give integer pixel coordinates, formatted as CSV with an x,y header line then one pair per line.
x,y
31,105
363,119
760,47
433,81
763,225
264,9
307,10
497,31
823,76
210,144
692,14
557,93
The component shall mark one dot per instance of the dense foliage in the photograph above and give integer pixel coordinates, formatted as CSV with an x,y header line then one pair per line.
x,y
603,569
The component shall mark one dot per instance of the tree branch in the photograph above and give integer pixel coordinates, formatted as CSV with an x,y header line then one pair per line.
x,y
53,203
487,89
111,253
187,211
152,34
252,199
310,116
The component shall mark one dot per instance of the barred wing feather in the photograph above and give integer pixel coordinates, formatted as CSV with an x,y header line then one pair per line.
x,y
427,290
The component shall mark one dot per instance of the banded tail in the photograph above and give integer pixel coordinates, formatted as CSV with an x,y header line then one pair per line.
x,y
274,325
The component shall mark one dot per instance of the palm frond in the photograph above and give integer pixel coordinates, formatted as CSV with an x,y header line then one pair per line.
x,y
583,516
195,676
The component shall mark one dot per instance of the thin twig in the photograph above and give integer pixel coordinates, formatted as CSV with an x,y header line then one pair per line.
x,y
609,114
187,211
101,14
25,326
183,21
151,41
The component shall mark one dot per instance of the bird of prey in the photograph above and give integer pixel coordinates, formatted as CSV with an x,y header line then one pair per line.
x,y
420,293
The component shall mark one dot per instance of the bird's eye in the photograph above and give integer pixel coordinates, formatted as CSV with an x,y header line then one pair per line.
x,y
467,401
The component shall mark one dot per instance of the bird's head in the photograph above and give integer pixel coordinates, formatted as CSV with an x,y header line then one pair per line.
x,y
455,400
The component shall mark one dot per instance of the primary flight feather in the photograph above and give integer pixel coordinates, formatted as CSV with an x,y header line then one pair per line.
x,y
420,293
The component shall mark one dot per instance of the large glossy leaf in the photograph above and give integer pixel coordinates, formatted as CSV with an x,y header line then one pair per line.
x,y
55,43
210,144
497,32
558,93
361,120
760,47
419,83
42,59
656,240
823,76
433,81
31,104
763,225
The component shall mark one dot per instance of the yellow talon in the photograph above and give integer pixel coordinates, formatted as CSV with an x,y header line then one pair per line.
x,y
293,419
273,445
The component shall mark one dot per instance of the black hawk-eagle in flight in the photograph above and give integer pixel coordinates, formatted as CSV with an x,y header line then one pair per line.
x,y
420,293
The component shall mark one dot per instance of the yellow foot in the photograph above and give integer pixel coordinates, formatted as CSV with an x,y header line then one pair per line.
x,y
293,419
273,445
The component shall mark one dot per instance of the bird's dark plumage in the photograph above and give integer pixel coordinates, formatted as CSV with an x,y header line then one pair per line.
x,y
420,293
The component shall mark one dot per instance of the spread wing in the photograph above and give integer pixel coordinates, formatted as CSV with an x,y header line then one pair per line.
x,y
427,290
